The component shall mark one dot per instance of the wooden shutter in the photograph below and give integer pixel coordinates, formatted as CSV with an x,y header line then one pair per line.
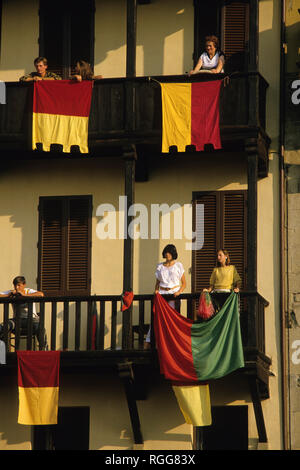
x,y
66,34
51,246
78,276
235,34
205,258
224,227
65,245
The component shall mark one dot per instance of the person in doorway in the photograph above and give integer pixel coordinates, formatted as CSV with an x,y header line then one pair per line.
x,y
223,280
212,59
170,279
41,65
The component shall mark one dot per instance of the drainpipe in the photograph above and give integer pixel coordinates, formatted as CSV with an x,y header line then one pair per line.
x,y
282,195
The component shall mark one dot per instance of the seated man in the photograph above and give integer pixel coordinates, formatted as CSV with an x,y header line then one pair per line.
x,y
20,290
41,73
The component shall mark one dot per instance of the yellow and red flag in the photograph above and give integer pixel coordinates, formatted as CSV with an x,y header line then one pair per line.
x,y
190,115
38,383
61,111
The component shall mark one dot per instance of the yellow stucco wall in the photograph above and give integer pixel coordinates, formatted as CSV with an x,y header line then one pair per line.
x,y
167,50
170,181
19,38
292,32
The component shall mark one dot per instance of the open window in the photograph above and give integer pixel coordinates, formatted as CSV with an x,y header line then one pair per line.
x,y
66,34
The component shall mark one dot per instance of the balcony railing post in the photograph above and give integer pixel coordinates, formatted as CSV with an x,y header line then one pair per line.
x,y
53,325
17,325
29,326
5,324
65,325
41,328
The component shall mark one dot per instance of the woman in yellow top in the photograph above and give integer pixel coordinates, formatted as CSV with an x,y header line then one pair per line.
x,y
223,279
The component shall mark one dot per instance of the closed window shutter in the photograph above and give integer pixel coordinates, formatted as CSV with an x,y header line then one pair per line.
x,y
224,227
78,246
235,32
66,34
234,230
204,259
51,246
65,245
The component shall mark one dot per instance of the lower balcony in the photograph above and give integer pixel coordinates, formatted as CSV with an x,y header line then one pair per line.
x,y
94,332
94,335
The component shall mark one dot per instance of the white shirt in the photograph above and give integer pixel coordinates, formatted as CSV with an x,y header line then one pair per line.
x,y
169,276
208,63
23,307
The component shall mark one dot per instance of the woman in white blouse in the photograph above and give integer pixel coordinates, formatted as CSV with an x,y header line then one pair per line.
x,y
170,278
212,60
169,275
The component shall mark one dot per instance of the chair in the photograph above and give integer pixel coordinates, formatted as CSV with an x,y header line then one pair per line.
x,y
36,337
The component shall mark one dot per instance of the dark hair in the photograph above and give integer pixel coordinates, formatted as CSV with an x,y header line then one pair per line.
x,y
40,59
226,254
170,249
213,39
19,280
84,69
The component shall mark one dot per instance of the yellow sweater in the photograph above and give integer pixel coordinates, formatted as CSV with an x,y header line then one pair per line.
x,y
224,278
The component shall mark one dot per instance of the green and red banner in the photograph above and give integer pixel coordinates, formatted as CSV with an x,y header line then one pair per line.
x,y
191,352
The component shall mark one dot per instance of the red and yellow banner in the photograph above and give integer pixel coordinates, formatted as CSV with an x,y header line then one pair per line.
x,y
61,111
190,115
38,383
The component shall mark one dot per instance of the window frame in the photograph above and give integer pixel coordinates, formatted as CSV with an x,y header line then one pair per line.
x,y
67,67
219,230
213,24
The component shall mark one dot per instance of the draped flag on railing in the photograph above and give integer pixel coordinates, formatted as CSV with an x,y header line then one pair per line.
x,y
38,383
190,115
61,111
192,352
127,299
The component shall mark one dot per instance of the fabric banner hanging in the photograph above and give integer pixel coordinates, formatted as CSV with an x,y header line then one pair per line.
x,y
191,351
61,111
190,115
38,383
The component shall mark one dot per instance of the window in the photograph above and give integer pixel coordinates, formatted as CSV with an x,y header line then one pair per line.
x,y
235,34
224,227
229,429
65,245
229,21
72,431
66,34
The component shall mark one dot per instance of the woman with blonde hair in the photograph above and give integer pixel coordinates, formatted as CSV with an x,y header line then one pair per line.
x,y
223,279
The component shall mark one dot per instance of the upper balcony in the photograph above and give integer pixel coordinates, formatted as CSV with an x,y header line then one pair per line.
x,y
128,111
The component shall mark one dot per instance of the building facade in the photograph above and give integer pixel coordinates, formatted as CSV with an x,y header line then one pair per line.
x,y
62,217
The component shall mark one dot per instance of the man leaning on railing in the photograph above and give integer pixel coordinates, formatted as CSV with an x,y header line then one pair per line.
x,y
20,290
